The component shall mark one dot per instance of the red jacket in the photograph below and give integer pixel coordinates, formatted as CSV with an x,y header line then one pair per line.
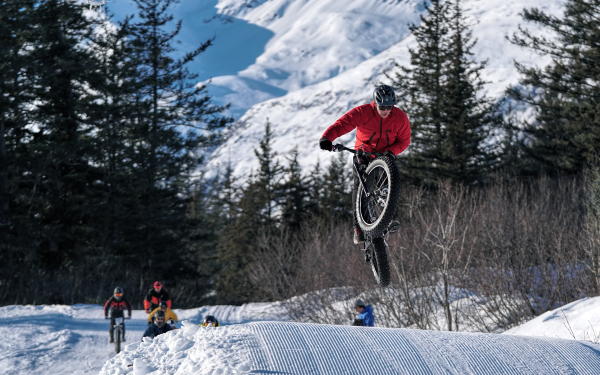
x,y
373,133
154,298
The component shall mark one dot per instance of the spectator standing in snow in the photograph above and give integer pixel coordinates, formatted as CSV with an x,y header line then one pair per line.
x,y
155,296
159,326
364,314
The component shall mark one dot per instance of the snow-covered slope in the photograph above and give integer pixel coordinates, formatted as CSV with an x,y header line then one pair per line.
x,y
73,340
299,117
68,340
296,348
302,63
311,41
579,320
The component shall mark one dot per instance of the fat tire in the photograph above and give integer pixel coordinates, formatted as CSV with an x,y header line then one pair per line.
x,y
379,227
379,262
118,340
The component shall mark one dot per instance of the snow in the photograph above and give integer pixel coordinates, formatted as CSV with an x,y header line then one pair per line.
x,y
300,348
258,338
579,320
300,64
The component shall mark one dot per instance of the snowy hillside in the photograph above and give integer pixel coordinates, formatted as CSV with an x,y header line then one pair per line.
x,y
300,64
74,340
579,320
299,117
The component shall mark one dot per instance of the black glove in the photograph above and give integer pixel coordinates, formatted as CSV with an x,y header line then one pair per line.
x,y
325,144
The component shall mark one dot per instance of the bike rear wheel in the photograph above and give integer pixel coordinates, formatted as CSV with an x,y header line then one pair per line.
x,y
379,261
376,202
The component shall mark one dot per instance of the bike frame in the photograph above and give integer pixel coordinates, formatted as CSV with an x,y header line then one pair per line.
x,y
361,178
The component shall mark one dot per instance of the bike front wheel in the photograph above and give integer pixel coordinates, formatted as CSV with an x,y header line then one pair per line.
x,y
117,336
376,201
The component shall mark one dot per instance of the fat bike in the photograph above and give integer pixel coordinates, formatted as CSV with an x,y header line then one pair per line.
x,y
375,206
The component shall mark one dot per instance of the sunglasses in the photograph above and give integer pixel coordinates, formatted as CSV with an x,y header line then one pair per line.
x,y
118,294
385,107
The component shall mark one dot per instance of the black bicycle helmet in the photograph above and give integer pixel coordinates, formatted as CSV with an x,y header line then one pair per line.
x,y
384,96
211,321
118,292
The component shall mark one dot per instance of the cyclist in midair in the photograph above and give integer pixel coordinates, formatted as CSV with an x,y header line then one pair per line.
x,y
116,306
380,127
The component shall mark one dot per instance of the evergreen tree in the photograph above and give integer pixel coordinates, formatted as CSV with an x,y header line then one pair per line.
x,y
268,181
442,93
16,97
471,116
565,134
117,88
294,196
167,103
256,218
336,199
315,182
63,70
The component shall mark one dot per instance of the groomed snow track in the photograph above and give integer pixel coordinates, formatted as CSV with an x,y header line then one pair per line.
x,y
295,348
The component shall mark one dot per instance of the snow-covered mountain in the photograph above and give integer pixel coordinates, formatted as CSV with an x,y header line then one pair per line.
x,y
316,96
300,64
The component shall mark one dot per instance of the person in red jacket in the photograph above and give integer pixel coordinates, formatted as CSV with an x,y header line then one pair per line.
x,y
115,305
155,296
380,127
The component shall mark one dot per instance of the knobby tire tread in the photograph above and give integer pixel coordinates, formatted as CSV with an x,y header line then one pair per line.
x,y
379,262
390,210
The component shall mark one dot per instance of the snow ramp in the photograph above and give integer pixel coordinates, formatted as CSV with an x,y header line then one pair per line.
x,y
296,348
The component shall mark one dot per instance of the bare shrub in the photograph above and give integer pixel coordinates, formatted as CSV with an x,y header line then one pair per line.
x,y
478,259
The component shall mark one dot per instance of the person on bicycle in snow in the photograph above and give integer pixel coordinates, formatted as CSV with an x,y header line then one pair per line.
x,y
380,127
116,305
155,296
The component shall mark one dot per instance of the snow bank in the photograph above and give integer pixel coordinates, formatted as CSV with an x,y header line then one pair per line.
x,y
578,320
296,348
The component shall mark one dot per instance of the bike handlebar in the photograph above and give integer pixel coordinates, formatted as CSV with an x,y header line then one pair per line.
x,y
340,147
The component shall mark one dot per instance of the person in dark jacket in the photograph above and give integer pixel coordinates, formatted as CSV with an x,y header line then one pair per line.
x,y
155,296
159,326
364,314
115,306
380,127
